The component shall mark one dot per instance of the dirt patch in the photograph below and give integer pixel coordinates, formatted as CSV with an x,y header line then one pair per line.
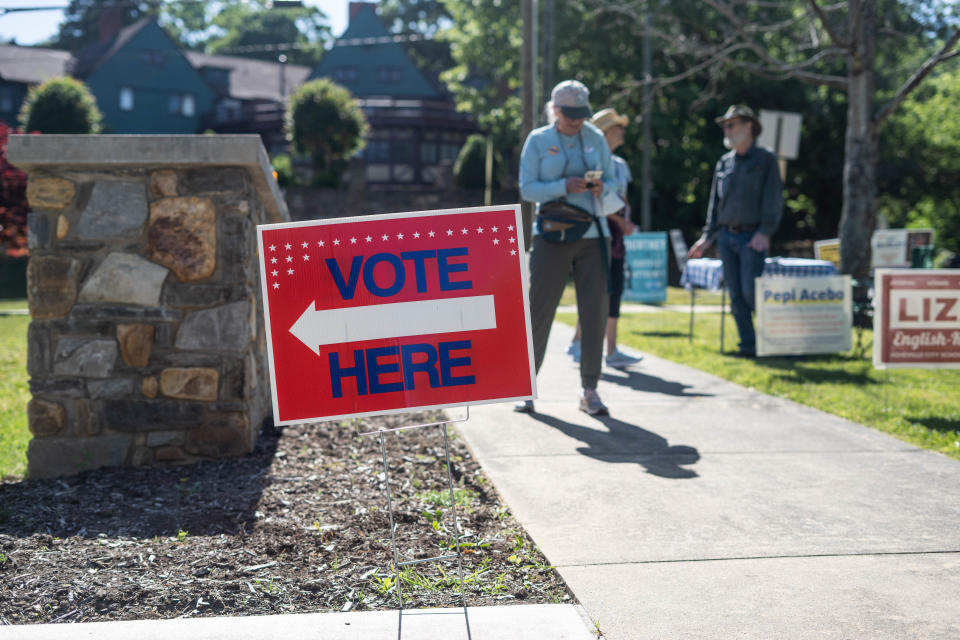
x,y
300,525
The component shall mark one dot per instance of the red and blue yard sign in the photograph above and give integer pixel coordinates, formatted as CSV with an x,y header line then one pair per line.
x,y
388,313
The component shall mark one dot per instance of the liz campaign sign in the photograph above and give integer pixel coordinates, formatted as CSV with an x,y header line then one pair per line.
x,y
389,313
916,321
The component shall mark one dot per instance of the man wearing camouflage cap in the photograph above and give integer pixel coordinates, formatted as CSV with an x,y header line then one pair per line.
x,y
746,202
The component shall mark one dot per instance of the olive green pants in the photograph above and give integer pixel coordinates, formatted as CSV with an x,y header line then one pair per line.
x,y
550,265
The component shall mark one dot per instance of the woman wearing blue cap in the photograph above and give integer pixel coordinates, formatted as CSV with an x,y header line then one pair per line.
x,y
565,168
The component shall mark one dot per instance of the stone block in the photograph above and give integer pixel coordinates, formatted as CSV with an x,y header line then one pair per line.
x,y
233,381
50,194
45,418
115,208
105,312
190,384
84,358
58,387
177,294
38,231
165,438
217,180
221,328
163,183
135,341
51,285
51,457
137,416
63,226
239,207
125,278
110,388
169,454
38,350
226,434
183,236
150,387
86,418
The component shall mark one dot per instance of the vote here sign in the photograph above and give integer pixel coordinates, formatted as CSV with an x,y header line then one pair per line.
x,y
916,321
389,313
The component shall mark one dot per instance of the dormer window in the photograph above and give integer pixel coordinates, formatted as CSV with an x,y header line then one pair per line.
x,y
345,73
388,73
126,99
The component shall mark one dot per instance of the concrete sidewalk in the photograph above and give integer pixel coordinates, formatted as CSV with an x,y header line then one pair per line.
x,y
526,622
700,509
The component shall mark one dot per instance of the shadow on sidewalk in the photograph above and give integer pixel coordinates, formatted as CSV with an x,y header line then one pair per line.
x,y
625,442
643,382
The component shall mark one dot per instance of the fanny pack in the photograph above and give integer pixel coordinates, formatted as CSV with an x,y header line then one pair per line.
x,y
561,222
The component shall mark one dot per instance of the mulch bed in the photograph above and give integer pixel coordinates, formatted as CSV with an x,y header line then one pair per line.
x,y
300,525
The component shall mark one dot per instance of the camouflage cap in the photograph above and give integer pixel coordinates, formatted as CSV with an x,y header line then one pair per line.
x,y
740,111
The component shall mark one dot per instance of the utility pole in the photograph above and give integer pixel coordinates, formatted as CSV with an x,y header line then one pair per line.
x,y
646,222
526,65
549,64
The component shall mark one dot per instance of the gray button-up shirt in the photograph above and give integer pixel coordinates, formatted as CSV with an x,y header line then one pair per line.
x,y
746,190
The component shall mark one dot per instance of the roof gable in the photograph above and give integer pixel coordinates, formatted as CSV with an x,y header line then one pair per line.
x,y
89,59
252,79
31,65
367,61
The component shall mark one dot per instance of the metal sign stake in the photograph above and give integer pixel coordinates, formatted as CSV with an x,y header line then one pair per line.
x,y
453,505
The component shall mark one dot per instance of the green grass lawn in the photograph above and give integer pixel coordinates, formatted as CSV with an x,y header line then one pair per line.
x,y
14,395
920,406
675,296
12,304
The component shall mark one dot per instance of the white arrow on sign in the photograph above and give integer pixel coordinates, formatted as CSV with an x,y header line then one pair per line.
x,y
395,320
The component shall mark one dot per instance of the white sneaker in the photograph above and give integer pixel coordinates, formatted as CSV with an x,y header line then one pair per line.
x,y
590,403
573,350
618,359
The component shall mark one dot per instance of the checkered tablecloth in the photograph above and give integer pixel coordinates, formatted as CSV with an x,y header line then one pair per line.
x,y
707,273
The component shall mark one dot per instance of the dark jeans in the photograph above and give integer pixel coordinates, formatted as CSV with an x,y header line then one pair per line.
x,y
741,265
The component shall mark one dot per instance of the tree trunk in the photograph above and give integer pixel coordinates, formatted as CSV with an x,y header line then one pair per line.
x,y
858,214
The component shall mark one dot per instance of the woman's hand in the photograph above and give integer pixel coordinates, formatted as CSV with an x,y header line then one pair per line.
x,y
576,185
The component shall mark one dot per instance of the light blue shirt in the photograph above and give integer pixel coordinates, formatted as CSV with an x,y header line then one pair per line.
x,y
549,158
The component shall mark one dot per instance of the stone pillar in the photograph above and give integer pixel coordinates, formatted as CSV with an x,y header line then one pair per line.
x,y
147,341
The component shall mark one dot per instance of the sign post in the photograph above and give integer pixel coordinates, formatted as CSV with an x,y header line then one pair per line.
x,y
803,315
645,267
390,313
393,313
917,318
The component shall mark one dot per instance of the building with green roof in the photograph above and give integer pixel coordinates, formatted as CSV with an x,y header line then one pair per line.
x,y
414,125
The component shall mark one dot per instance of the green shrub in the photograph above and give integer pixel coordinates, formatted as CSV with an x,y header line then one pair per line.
x,y
471,166
324,121
60,105
283,167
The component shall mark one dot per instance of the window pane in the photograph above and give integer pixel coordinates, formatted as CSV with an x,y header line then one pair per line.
x,y
189,108
428,152
126,99
173,104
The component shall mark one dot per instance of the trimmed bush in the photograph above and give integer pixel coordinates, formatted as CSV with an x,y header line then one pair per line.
x,y
60,105
324,122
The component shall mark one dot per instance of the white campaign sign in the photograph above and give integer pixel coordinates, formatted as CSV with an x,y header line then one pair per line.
x,y
803,315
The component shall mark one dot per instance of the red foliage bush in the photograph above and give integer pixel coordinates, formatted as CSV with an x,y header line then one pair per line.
x,y
13,203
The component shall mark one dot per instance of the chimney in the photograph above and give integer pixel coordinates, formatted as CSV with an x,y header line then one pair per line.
x,y
357,6
110,23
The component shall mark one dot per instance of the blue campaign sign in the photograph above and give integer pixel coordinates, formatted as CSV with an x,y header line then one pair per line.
x,y
645,267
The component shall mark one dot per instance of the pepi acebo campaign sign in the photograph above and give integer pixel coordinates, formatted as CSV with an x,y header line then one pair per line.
x,y
388,313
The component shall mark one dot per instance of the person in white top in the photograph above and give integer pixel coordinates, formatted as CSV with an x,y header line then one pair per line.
x,y
613,125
